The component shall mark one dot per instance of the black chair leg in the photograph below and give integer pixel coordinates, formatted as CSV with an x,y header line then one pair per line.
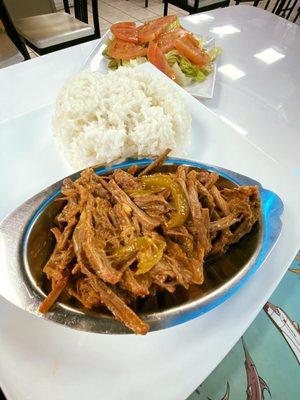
x,y
279,8
20,46
291,9
11,31
66,6
146,3
96,18
166,7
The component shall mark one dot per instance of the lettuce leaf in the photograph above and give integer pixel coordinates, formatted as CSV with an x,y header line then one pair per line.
x,y
188,69
135,62
105,51
181,78
173,57
201,41
115,63
214,53
173,26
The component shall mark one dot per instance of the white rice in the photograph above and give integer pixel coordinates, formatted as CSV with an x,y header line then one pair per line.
x,y
100,119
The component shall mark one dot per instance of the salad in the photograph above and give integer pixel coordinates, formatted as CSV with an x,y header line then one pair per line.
x,y
166,44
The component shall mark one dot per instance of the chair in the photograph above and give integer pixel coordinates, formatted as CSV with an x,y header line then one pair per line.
x,y
195,6
54,31
26,8
11,31
282,8
9,54
297,15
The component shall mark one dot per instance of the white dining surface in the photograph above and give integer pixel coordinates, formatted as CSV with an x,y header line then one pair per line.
x,y
257,98
257,89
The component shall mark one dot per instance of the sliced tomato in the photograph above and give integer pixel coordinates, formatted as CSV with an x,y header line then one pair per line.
x,y
165,21
158,59
125,50
126,31
166,41
151,30
187,47
122,25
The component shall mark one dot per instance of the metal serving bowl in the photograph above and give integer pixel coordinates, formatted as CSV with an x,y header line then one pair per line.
x,y
26,244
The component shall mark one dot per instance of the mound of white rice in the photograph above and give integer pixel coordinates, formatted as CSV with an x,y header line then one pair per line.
x,y
100,119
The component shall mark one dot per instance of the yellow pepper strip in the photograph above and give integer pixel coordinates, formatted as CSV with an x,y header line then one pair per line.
x,y
149,252
137,244
164,181
151,255
139,192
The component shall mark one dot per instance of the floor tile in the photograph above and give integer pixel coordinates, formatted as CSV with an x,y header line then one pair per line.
x,y
141,3
131,8
103,32
157,9
142,13
126,5
172,7
152,2
106,7
103,23
114,16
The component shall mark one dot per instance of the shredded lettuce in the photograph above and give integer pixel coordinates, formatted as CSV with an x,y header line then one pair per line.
x,y
213,53
105,51
174,25
173,57
115,63
181,78
134,63
187,68
201,42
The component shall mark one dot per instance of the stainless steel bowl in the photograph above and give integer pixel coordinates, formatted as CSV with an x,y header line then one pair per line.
x,y
26,243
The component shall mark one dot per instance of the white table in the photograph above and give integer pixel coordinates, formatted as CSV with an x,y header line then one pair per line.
x,y
40,360
257,88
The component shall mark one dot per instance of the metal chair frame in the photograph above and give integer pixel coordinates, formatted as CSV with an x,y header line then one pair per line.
x,y
297,15
282,8
183,4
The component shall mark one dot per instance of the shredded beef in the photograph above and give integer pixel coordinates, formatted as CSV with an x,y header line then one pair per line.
x,y
114,245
